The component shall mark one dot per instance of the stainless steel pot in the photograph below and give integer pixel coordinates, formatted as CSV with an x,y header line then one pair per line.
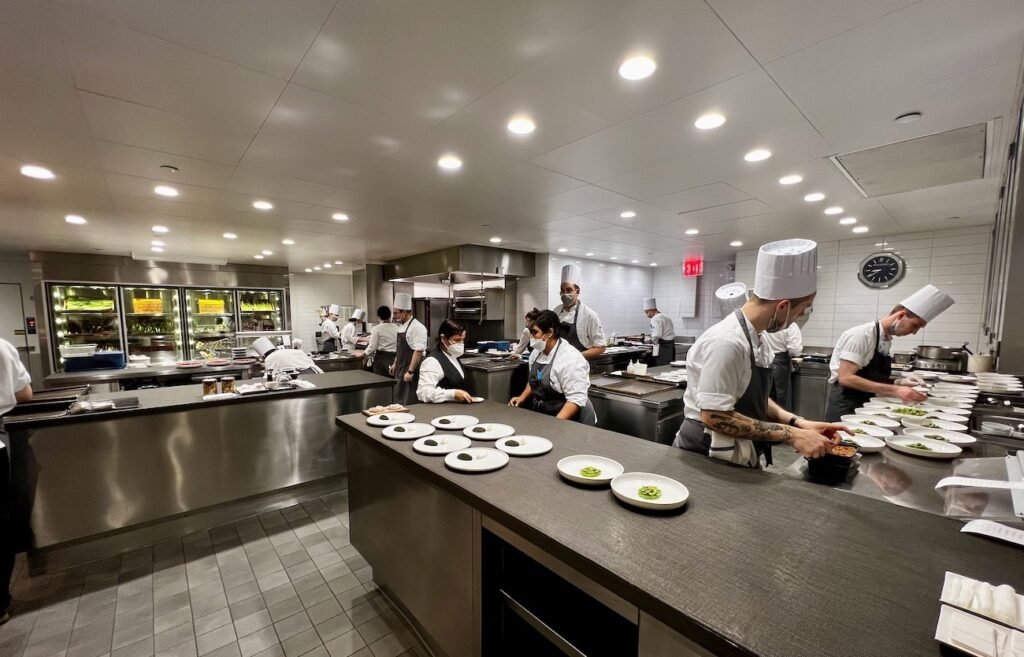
x,y
932,352
902,357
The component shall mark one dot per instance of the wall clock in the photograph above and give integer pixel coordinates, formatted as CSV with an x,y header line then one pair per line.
x,y
881,270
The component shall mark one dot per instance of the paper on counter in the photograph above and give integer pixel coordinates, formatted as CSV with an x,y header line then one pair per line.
x,y
979,483
994,530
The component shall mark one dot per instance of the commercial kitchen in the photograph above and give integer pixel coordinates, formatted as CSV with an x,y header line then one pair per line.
x,y
472,329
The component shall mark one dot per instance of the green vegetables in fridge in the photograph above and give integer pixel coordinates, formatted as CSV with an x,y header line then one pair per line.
x,y
906,410
649,492
920,446
590,472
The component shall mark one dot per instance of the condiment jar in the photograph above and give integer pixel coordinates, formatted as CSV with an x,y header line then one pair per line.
x,y
209,386
227,384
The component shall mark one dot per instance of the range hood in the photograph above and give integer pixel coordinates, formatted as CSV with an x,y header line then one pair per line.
x,y
467,263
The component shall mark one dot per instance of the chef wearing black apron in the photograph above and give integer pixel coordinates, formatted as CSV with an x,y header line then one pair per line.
x,y
329,330
785,345
441,377
581,327
15,387
411,342
844,401
663,334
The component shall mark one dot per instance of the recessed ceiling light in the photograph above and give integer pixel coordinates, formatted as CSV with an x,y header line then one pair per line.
x,y
230,236
37,172
692,231
339,216
258,256
267,252
157,249
75,219
791,179
758,155
495,240
288,242
309,270
263,205
521,125
327,265
654,264
338,262
614,258
909,117
157,243
563,250
860,229
709,121
317,268
848,221
637,67
736,243
814,197
449,162
634,261
835,209
161,229
589,253
628,214
165,190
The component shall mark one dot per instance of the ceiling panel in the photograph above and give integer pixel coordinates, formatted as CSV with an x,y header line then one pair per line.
x,y
525,181
34,145
138,186
144,209
258,183
75,188
586,199
130,160
975,200
705,196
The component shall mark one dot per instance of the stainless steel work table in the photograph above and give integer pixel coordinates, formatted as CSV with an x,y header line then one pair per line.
x,y
161,374
656,416
340,363
499,380
757,564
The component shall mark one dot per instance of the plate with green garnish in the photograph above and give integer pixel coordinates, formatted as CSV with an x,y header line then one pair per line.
x,y
952,437
650,491
589,469
924,447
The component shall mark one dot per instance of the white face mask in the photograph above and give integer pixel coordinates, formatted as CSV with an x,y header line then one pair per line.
x,y
456,349
568,298
538,344
774,326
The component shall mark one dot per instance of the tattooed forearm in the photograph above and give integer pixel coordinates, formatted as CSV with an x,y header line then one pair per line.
x,y
738,425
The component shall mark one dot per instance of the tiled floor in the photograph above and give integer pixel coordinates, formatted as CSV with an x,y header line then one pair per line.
x,y
284,584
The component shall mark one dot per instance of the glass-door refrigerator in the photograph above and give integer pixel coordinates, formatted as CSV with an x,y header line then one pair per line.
x,y
83,315
152,318
260,310
211,322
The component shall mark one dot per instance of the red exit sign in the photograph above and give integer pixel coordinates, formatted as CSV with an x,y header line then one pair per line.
x,y
693,267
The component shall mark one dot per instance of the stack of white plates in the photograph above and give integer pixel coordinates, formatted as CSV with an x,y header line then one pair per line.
x,y
999,383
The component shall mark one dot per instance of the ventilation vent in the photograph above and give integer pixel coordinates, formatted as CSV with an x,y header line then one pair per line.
x,y
940,159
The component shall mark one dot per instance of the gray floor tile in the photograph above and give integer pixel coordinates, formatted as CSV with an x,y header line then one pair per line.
x,y
242,589
230,650
301,643
141,648
344,583
364,575
140,616
54,646
273,651
207,606
258,641
319,651
12,645
218,638
95,647
351,597
277,594
363,612
293,625
316,595
173,602
334,627
390,645
285,608
309,581
300,569
89,614
272,580
207,590
345,645
131,633
211,622
165,622
45,631
326,559
247,607
321,611
252,623
187,649
373,629
174,636
335,570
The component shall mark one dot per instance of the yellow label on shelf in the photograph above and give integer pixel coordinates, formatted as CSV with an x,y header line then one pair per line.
x,y
154,306
90,305
211,306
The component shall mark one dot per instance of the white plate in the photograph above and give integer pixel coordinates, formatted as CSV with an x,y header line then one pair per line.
x,y
939,449
528,445
476,400
673,493
891,401
491,431
570,467
939,424
953,437
877,412
938,402
870,420
678,363
957,378
927,376
866,444
390,419
950,410
484,459
446,443
938,417
874,432
410,431
455,422
885,406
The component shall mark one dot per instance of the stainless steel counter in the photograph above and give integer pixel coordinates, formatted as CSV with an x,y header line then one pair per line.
x,y
494,379
654,417
111,380
340,363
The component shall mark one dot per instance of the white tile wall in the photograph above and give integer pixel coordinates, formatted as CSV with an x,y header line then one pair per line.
x,y
533,292
672,295
310,291
615,292
955,260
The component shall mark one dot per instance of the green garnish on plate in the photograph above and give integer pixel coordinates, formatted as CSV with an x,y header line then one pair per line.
x,y
920,446
480,429
936,437
649,492
859,431
399,429
464,457
906,410
590,472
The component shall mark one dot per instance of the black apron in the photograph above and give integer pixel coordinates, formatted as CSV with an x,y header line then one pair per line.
x,y
782,380
694,436
545,399
666,353
569,331
451,378
844,401
330,344
7,537
405,393
382,361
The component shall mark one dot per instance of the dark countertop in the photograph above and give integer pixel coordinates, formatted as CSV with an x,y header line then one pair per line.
x,y
183,398
757,564
151,372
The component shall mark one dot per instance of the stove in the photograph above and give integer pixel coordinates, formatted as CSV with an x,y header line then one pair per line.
x,y
953,365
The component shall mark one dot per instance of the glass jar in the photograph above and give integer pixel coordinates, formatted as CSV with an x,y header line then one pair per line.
x,y
209,386
227,384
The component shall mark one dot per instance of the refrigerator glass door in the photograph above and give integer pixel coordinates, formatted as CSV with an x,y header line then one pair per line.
x,y
152,319
211,322
260,310
84,315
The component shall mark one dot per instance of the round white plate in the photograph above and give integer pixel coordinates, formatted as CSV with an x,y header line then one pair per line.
x,y
410,431
938,402
874,432
876,412
949,410
939,424
570,467
891,401
866,444
673,493
476,400
953,437
678,363
484,459
870,420
491,431
454,422
927,376
527,445
446,443
390,419
941,417
885,406
957,378
938,449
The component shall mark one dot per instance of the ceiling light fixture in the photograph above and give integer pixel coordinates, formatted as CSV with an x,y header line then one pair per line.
x,y
75,219
263,205
814,197
736,243
338,262
835,209
157,243
327,265
909,117
258,256
161,229
654,264
267,252
165,190
563,250
157,249
847,221
614,258
317,268
709,121
634,261
288,242
692,231
449,162
627,214
309,270
37,172
758,155
230,236
339,216
589,253
521,125
637,67
495,240
791,179
860,229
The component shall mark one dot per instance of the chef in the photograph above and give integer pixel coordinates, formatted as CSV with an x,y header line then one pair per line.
x,y
581,327
785,346
411,343
663,334
349,333
728,414
559,376
282,358
380,352
441,376
329,329
861,365
524,340
15,387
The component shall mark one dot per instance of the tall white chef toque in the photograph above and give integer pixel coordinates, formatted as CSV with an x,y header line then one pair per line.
x,y
650,303
263,346
335,309
787,269
928,303
732,295
572,274
358,314
403,301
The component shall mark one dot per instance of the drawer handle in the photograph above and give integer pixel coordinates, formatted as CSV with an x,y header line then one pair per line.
x,y
554,637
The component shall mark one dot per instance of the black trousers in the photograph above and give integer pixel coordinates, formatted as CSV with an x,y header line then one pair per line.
x,y
382,360
6,524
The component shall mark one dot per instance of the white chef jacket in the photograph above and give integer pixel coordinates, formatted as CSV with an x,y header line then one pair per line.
x,y
13,377
348,336
789,340
281,359
717,375
857,345
415,332
662,328
330,329
569,374
430,374
524,342
588,327
382,338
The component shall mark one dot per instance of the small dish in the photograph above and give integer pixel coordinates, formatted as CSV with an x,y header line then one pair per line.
x,y
874,432
476,400
410,431
390,419
571,468
877,412
933,449
865,444
488,431
524,445
442,444
671,494
481,459
952,437
930,423
871,421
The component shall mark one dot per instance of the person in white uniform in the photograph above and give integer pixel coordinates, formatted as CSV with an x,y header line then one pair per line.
x,y
524,340
380,352
329,329
411,343
663,334
351,330
282,358
581,327
15,387
785,345
728,415
861,365
441,376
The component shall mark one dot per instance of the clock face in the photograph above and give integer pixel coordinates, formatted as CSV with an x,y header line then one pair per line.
x,y
881,270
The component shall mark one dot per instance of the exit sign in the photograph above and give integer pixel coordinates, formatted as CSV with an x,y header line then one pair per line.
x,y
693,267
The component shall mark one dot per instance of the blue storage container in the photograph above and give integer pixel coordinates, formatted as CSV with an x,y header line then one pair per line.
x,y
101,360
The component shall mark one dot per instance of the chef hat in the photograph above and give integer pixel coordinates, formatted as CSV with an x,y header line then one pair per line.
x,y
928,303
572,274
732,295
650,303
358,314
403,301
263,346
787,269
335,309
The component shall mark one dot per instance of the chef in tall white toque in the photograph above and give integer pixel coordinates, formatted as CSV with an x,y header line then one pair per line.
x,y
411,343
663,333
351,330
581,327
329,329
283,358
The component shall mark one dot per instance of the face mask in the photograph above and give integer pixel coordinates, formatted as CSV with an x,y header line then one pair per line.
x,y
773,326
456,349
568,298
896,327
538,344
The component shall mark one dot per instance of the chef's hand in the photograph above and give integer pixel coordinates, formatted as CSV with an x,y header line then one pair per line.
x,y
391,369
809,443
828,429
407,377
463,396
909,395
910,380
515,401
